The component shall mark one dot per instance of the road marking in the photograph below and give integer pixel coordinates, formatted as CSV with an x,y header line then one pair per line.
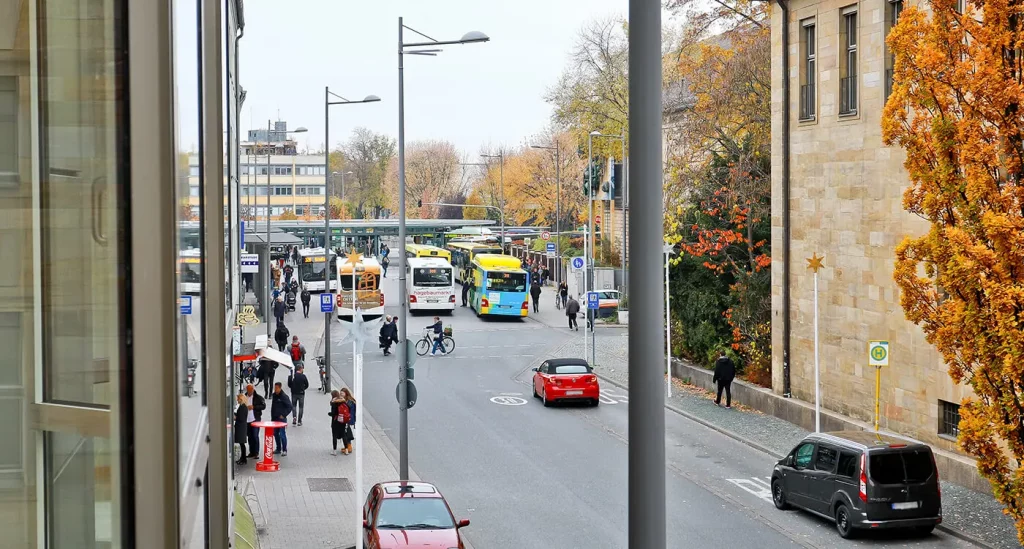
x,y
508,400
756,486
511,394
608,397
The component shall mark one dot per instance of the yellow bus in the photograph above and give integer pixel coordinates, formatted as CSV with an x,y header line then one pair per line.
x,y
499,286
369,297
463,254
423,250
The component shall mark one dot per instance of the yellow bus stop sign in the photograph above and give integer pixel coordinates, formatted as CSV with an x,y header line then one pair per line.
x,y
878,353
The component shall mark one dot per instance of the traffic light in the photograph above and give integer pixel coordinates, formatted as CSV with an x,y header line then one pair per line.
x,y
591,176
616,181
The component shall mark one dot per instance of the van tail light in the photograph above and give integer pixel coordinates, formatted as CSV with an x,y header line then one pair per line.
x,y
863,479
382,299
412,299
938,485
484,303
451,298
526,305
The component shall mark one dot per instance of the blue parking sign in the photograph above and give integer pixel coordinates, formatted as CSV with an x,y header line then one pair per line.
x,y
551,247
326,302
592,300
185,302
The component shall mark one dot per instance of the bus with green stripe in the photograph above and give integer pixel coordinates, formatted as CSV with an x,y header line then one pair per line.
x,y
499,286
463,254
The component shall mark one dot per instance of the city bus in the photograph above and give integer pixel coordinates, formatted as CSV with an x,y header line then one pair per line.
x,y
190,271
463,254
312,269
369,297
423,250
499,286
431,284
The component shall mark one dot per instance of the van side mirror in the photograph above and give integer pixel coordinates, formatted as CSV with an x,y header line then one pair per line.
x,y
366,523
463,523
534,368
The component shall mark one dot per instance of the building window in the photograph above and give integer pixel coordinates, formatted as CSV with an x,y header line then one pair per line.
x,y
949,419
848,62
808,72
263,170
892,15
300,210
961,6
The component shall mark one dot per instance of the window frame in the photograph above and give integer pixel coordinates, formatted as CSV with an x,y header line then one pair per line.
x,y
808,70
849,59
946,429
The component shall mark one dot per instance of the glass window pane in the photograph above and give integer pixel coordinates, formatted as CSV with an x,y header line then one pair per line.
x,y
82,503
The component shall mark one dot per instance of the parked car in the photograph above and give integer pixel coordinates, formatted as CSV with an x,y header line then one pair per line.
x,y
861,480
566,379
409,514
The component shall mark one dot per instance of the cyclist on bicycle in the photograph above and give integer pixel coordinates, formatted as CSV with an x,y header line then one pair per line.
x,y
438,331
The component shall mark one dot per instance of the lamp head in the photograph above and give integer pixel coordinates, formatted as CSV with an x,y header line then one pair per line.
x,y
370,99
474,36
300,129
595,133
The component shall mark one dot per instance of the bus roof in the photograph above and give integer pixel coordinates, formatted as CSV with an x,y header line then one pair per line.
x,y
435,262
422,247
496,262
471,245
313,251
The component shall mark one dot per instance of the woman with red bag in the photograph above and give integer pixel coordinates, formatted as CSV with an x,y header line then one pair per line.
x,y
340,417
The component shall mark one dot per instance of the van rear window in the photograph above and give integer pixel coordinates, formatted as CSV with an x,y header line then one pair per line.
x,y
910,466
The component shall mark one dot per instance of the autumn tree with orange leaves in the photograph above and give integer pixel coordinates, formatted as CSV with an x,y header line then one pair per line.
x,y
956,109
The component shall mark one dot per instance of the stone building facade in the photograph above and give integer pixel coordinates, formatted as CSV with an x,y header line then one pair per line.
x,y
845,203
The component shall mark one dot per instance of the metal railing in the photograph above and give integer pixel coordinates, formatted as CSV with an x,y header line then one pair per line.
x,y
807,102
848,95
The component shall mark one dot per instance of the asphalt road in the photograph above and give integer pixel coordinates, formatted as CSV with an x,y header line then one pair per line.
x,y
529,476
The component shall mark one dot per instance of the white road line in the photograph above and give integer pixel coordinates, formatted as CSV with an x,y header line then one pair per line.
x,y
763,481
757,488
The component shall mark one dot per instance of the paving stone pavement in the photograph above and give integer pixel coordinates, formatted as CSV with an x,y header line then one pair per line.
x,y
977,515
295,516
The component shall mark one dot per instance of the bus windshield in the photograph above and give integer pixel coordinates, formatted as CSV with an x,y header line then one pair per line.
x,y
369,284
506,282
313,272
431,276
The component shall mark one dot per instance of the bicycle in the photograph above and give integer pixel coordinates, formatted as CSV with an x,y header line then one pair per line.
x,y
426,343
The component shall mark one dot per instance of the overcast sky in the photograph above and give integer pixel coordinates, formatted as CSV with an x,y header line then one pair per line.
x,y
472,95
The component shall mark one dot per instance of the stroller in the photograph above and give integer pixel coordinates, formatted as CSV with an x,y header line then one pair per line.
x,y
289,300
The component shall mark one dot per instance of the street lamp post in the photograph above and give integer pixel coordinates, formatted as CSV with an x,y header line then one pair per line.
x,y
327,218
429,48
558,209
266,290
593,242
501,190
342,174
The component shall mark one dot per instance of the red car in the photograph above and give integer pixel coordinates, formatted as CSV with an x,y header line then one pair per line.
x,y
409,514
560,379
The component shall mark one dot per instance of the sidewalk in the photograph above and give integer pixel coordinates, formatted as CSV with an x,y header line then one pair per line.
x,y
311,502
975,516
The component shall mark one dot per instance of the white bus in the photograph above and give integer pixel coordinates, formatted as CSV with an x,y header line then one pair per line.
x,y
190,271
312,269
430,283
368,295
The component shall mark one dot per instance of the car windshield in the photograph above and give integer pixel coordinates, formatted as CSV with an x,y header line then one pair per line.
x,y
506,282
414,513
433,276
572,369
911,466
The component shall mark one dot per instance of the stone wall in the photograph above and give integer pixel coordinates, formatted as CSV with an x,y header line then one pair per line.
x,y
846,204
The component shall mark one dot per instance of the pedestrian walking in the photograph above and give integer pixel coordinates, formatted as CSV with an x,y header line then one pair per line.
x,y
279,308
545,275
387,335
535,295
725,372
281,336
465,292
298,383
384,265
350,401
563,292
265,373
280,409
385,251
339,422
256,405
305,297
572,308
297,352
242,421
288,272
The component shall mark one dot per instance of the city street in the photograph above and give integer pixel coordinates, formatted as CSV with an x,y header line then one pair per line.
x,y
531,476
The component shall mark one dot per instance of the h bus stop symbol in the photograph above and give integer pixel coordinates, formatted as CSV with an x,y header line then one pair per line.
x,y
592,300
326,302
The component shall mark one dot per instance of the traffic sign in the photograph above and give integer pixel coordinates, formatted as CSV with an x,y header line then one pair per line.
x,y
597,219
593,302
250,263
410,393
526,241
326,302
545,235
551,248
878,353
577,263
185,302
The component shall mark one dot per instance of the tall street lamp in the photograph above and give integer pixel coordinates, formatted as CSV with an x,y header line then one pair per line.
x,y
270,169
501,190
342,174
327,217
590,141
417,48
558,207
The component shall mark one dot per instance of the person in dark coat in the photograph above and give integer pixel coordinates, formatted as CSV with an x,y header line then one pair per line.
x,y
563,292
265,373
256,405
351,402
384,262
281,336
305,297
465,293
572,308
242,414
279,308
387,335
535,295
280,409
298,383
725,372
340,416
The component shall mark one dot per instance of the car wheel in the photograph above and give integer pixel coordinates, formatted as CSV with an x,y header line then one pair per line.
x,y
544,397
923,531
595,402
843,523
778,495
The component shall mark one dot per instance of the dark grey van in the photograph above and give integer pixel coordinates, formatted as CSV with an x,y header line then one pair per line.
x,y
861,480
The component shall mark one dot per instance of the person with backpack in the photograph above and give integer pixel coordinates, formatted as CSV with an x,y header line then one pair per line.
x,y
350,401
298,383
340,416
297,352
305,297
384,265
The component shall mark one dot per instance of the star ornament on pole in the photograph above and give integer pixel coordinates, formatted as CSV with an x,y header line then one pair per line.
x,y
814,262
354,258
